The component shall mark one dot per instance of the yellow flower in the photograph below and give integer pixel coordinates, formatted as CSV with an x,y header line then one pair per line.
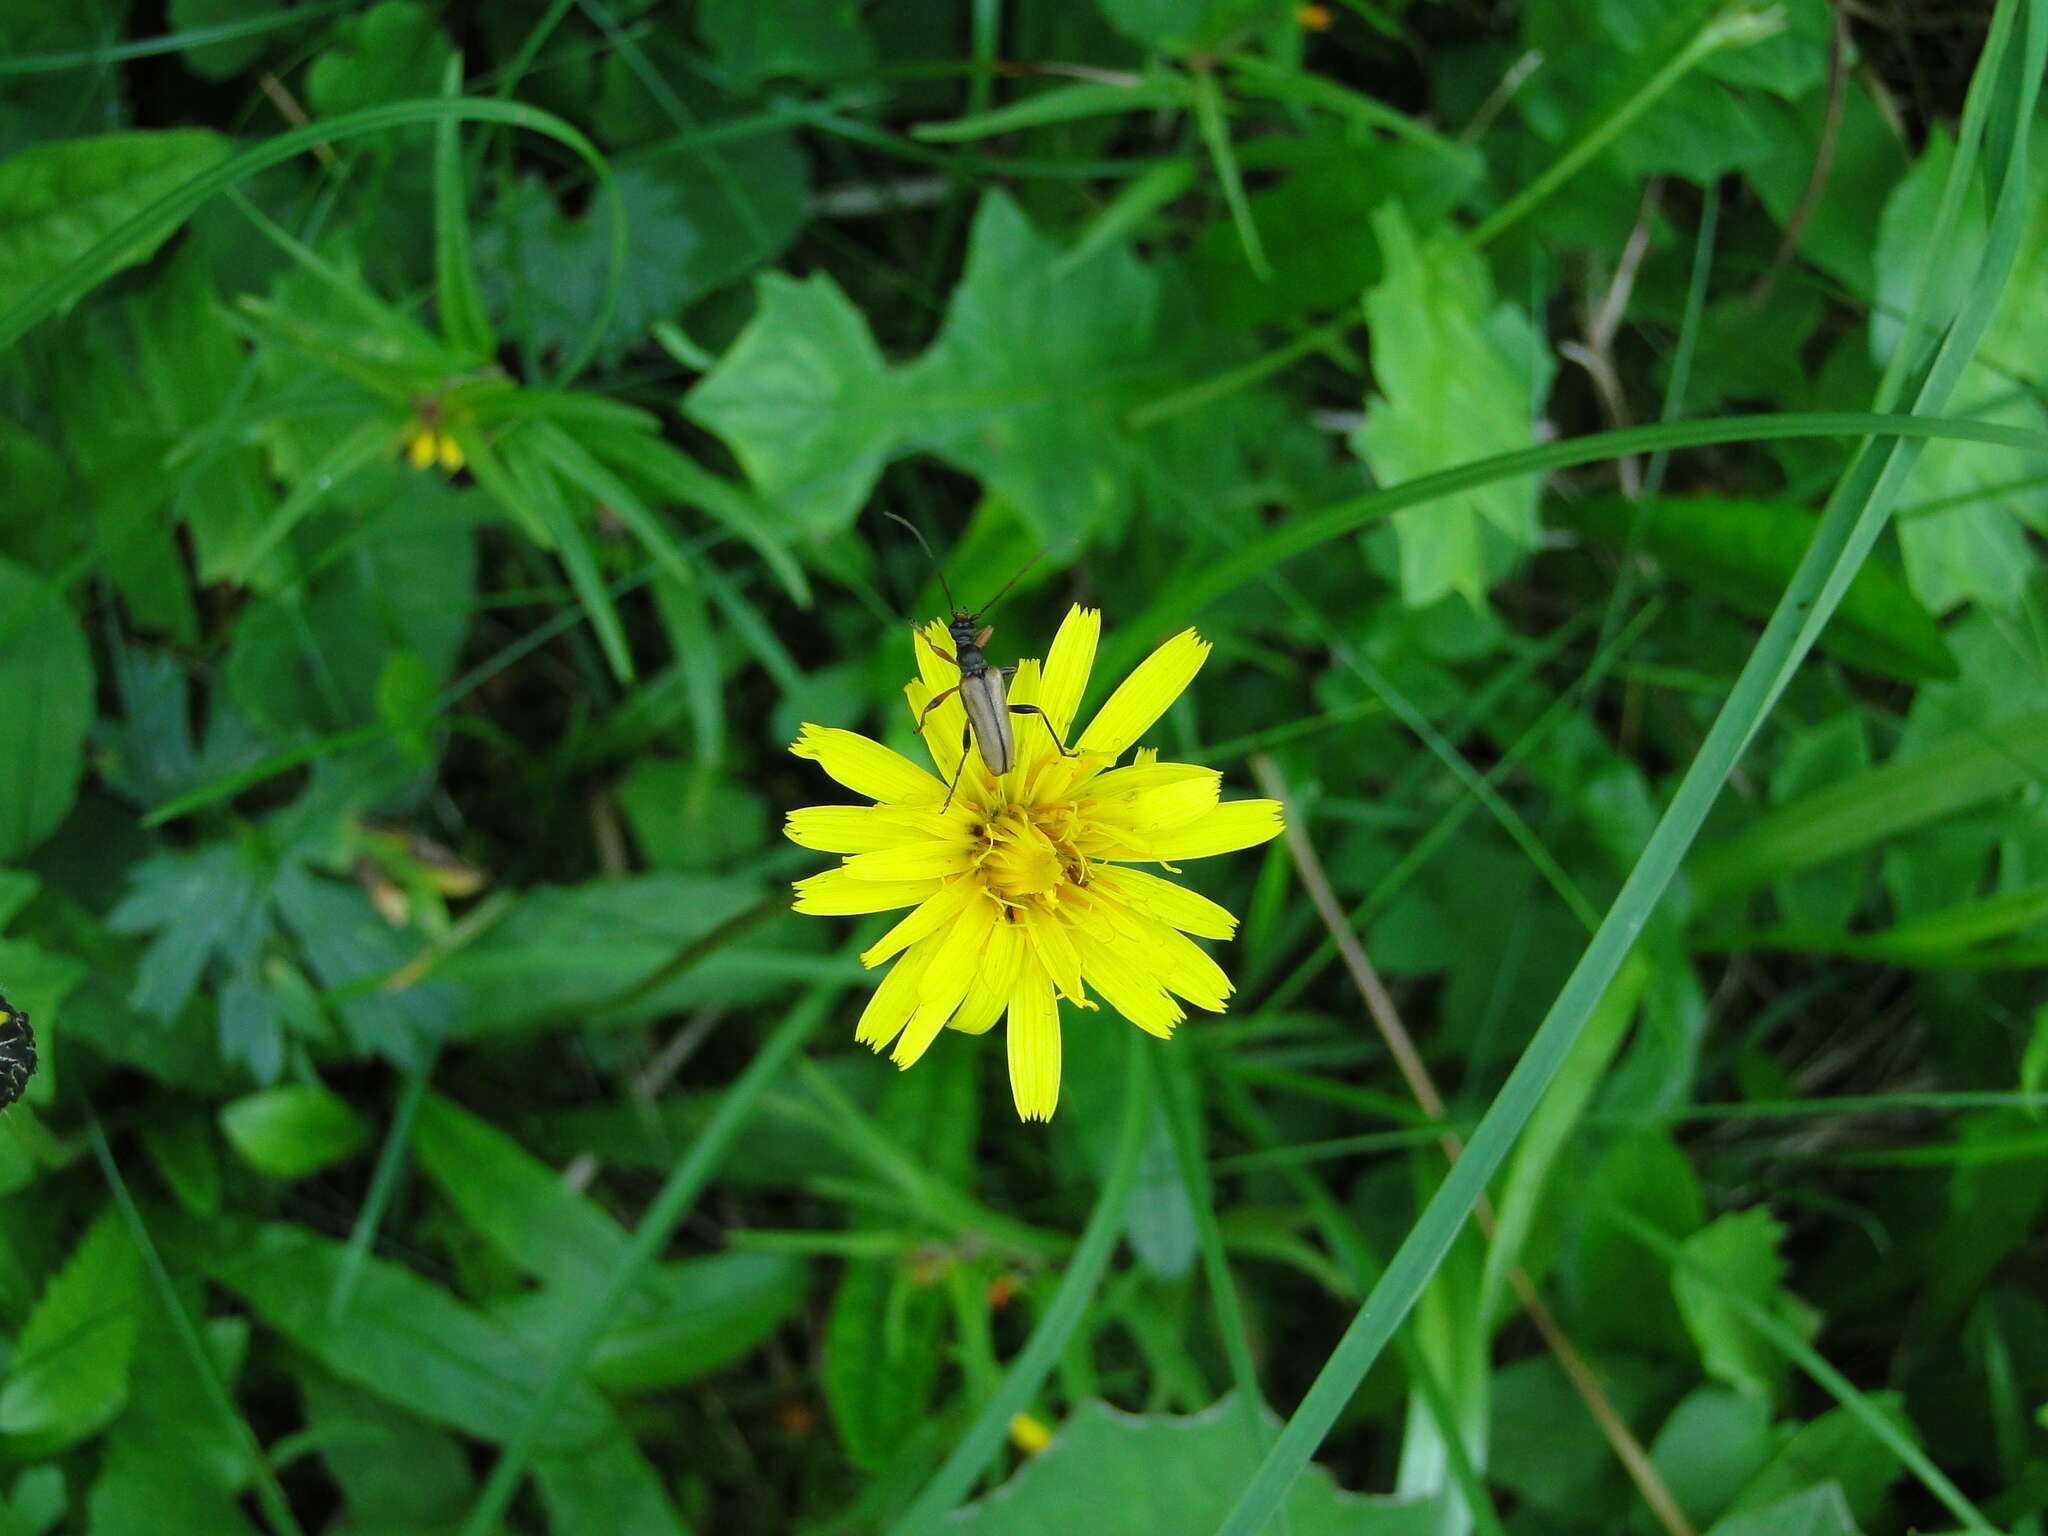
x,y
1021,891
428,444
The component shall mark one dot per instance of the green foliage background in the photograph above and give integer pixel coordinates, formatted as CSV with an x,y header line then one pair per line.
x,y
443,1125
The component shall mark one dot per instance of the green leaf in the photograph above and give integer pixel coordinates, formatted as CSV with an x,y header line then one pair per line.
x,y
805,402
398,1471
180,1143
513,1199
294,1130
1741,1252
172,1461
800,39
59,200
1118,1474
1709,1448
1832,752
1839,1451
404,1339
1987,500
69,1374
230,56
1744,551
392,52
882,1356
1459,378
46,698
1624,1291
609,1487
1819,1511
1032,370
688,1319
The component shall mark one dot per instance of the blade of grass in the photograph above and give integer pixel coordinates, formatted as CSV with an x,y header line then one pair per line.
x,y
463,320
383,1184
678,1196
1853,518
1034,1362
270,1494
1874,807
1204,581
1214,122
171,42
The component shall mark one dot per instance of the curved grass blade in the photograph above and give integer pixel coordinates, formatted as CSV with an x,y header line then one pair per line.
x,y
1184,599
56,293
1855,515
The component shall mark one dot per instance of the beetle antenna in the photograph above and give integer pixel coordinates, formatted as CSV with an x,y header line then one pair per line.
x,y
989,606
940,569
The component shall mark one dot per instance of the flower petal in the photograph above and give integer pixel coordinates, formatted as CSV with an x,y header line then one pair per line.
x,y
1145,695
1169,903
1057,956
867,767
931,915
1175,961
1224,829
916,861
1130,991
939,672
993,981
835,893
1034,1044
859,828
895,999
1067,666
946,981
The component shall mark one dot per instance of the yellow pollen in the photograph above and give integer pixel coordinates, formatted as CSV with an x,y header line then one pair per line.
x,y
1024,854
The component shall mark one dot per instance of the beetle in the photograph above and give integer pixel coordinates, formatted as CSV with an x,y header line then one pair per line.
x,y
983,687
17,1053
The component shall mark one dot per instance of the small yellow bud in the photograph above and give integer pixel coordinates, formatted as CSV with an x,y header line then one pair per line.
x,y
1314,18
450,453
419,449
1029,1434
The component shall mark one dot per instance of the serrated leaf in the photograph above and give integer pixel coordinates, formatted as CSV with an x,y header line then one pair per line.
x,y
1985,499
1740,1253
1837,1449
69,1374
1459,379
805,401
1033,369
46,698
59,200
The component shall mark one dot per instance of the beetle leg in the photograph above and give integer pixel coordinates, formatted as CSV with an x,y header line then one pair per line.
x,y
966,741
928,640
918,729
1033,709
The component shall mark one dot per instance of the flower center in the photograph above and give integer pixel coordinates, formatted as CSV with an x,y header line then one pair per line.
x,y
1026,854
